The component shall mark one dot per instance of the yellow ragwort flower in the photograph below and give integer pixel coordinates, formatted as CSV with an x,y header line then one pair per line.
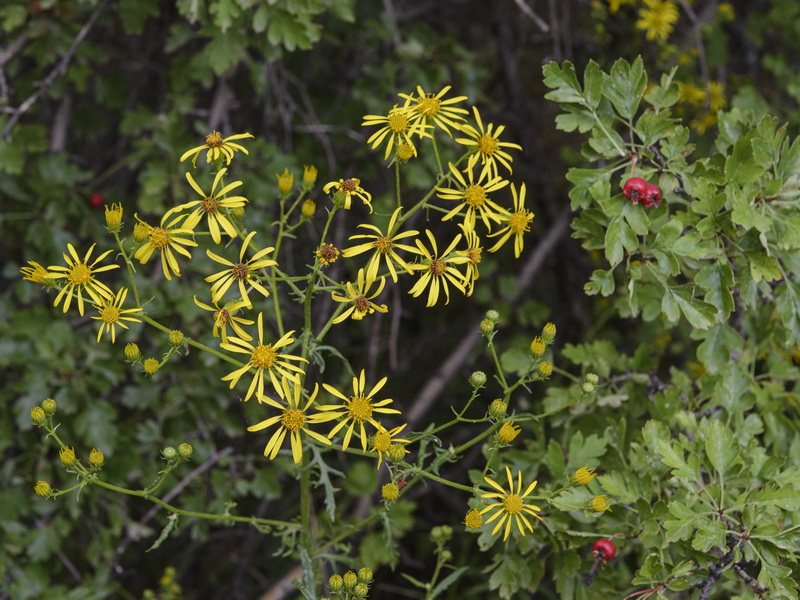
x,y
114,217
473,196
486,145
517,223
384,246
293,419
473,519
212,205
360,298
327,254
346,189
583,476
111,314
658,19
508,432
309,177
218,148
613,5
357,409
285,182
398,127
244,273
227,316
429,108
42,488
512,505
438,270
165,238
716,96
385,439
263,357
599,504
35,272
473,255
79,277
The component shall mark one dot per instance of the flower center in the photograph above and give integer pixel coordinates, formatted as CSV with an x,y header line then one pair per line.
x,y
360,408
293,419
79,274
488,145
159,237
222,316
398,122
474,255
475,195
348,186
240,271
513,504
438,267
382,244
382,441
110,314
214,139
519,222
209,205
361,303
264,356
405,151
429,105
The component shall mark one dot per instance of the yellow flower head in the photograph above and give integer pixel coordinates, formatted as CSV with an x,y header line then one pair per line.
x,y
390,492
309,177
245,273
151,366
430,108
473,255
486,145
658,19
225,316
398,127
438,270
167,238
583,476
473,197
385,440
67,456
96,458
78,277
473,520
218,148
35,272
114,217
327,254
346,189
112,314
285,182
42,488
511,506
508,432
599,504
517,223
360,298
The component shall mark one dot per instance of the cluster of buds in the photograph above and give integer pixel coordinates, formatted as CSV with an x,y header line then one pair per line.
x,y
351,584
183,453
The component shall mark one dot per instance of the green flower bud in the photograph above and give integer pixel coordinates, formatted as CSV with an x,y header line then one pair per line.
x,y
390,492
441,533
96,458
308,208
150,366
309,177
43,488
587,387
350,580
336,583
365,575
497,409
446,555
238,212
493,315
132,353
592,378
185,451
67,456
360,590
49,407
477,379
487,326
537,347
176,338
549,333
37,416
169,453
396,453
545,369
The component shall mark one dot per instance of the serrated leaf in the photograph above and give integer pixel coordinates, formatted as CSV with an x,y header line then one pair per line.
x,y
625,86
709,534
574,118
652,127
593,84
448,581
666,93
744,211
717,278
713,352
601,282
619,237
572,499
721,447
700,314
740,166
583,451
564,83
789,163
673,457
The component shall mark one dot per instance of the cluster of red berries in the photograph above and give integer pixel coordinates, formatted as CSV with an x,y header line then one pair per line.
x,y
604,550
636,189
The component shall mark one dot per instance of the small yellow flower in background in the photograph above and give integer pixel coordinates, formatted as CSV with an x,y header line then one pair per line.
x,y
67,456
385,439
538,347
96,458
549,333
243,272
165,238
151,366
360,298
613,5
210,206
111,314
347,188
658,19
384,246
357,409
473,519
725,11
583,476
508,432
140,231
42,488
705,122
390,492
218,148
227,316
599,504
114,217
438,270
518,223
512,505
716,96
35,272
293,419
263,357
397,127
79,276
429,108
486,146
309,177
473,196
327,254
285,182
473,255
691,94
308,208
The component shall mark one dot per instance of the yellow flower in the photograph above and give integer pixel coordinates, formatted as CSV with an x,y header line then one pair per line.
x,y
486,145
517,223
96,458
692,94
583,476
385,439
433,108
725,11
114,217
508,432
293,419
307,208
716,95
285,182
151,366
244,273
599,504
473,520
390,492
347,188
309,177
384,246
35,272
111,314
538,347
473,255
263,357
512,505
545,369
217,148
67,456
79,276
226,316
166,238
438,270
397,126
658,19
473,196
42,488
210,206
613,5
327,254
357,409
360,299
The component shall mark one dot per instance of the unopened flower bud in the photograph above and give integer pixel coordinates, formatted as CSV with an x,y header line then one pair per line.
x,y
365,575
350,580
285,182
592,378
185,451
169,453
67,456
132,353
42,488
38,416
390,492
114,217
396,453
335,583
545,369
446,555
49,406
238,212
405,152
487,326
473,520
176,338
96,458
583,476
549,333
360,590
537,347
308,208
497,409
599,504
140,232
493,315
508,432
587,387
150,366
477,379
441,533
309,177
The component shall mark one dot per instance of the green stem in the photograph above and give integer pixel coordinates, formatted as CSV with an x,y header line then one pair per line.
x,y
397,181
129,265
192,342
312,278
424,473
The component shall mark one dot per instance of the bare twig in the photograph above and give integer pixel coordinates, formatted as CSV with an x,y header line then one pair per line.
x,y
59,69
528,12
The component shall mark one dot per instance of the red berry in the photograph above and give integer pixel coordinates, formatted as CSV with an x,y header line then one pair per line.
x,y
634,189
652,195
604,549
96,200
